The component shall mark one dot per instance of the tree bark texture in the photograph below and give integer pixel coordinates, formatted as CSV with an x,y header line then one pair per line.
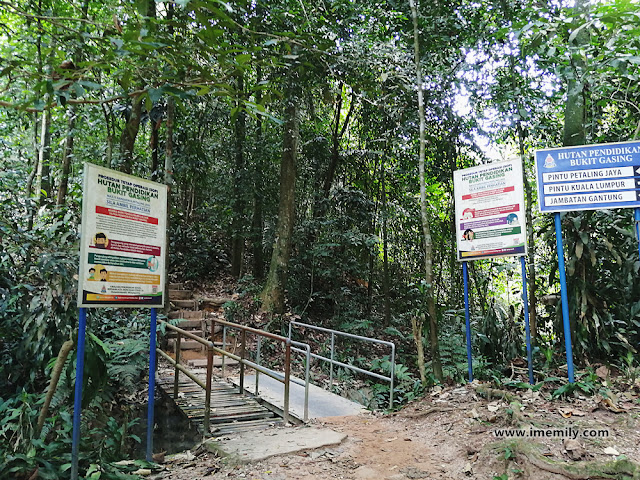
x,y
238,203
44,169
385,251
533,299
273,298
68,157
426,228
258,192
129,134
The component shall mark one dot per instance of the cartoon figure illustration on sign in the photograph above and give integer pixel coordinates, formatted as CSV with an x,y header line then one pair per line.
x,y
100,240
468,213
467,240
152,264
104,289
512,219
103,275
92,274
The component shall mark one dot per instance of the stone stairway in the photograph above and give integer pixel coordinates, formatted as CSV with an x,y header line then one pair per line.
x,y
195,316
185,308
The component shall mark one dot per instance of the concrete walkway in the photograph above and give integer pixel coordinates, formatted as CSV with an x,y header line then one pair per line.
x,y
321,402
255,446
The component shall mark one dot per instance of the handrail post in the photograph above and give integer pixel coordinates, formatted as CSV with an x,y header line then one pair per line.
x,y
333,336
258,362
242,353
176,375
287,379
207,394
224,347
306,385
393,374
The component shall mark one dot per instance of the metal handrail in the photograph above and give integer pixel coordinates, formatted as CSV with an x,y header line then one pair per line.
x,y
279,377
179,368
333,362
243,361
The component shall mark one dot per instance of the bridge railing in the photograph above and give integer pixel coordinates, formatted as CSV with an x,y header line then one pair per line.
x,y
332,361
245,362
180,368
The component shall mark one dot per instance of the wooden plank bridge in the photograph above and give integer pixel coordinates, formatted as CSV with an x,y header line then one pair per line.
x,y
230,411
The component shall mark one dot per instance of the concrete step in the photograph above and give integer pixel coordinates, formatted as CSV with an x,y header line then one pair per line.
x,y
185,304
188,314
190,324
214,302
217,362
176,286
172,334
180,294
185,344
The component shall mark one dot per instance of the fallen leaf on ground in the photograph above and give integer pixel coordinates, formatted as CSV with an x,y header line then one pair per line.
x,y
567,412
602,372
609,405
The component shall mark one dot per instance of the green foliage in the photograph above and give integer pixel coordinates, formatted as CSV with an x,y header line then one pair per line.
x,y
589,384
37,294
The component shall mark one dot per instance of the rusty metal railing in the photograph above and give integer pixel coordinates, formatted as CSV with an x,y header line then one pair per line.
x,y
241,358
179,368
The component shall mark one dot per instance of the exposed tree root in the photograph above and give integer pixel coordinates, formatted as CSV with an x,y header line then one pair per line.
x,y
622,469
429,411
489,393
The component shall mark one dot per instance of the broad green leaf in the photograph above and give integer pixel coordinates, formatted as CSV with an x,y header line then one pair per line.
x,y
243,59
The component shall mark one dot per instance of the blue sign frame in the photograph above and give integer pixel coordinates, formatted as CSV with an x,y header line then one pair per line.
x,y
590,177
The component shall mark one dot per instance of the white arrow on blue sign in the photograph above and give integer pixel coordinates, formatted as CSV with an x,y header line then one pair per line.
x,y
589,177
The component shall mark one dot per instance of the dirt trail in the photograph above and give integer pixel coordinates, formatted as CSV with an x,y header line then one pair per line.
x,y
450,435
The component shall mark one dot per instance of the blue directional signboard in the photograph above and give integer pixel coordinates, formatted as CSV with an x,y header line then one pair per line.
x,y
589,177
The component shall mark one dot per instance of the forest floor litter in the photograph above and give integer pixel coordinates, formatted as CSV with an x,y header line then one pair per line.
x,y
452,433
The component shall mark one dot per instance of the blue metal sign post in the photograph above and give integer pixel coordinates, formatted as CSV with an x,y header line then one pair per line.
x,y
586,177
565,299
77,403
152,383
637,218
465,274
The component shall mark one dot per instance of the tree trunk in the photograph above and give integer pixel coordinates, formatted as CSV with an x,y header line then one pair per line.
x,y
416,327
53,385
533,299
68,157
34,170
108,120
272,296
336,136
43,183
129,134
237,202
258,193
153,143
426,228
385,250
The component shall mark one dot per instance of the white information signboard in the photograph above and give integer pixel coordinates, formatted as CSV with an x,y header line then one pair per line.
x,y
122,246
490,209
